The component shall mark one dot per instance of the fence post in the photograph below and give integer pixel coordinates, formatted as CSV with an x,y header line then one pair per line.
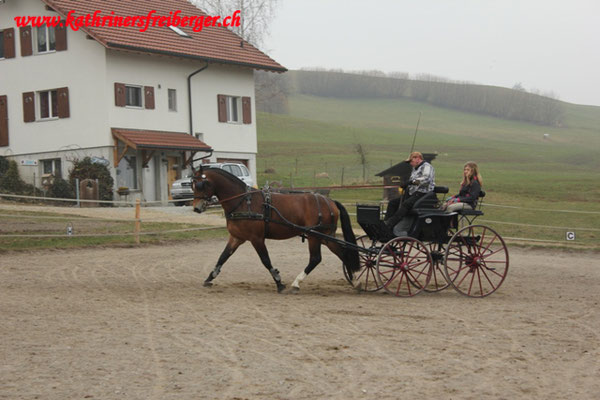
x,y
342,185
77,191
137,221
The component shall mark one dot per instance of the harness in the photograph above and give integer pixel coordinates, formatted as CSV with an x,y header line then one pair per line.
x,y
268,208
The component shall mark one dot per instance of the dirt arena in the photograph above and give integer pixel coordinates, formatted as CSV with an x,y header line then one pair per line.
x,y
136,323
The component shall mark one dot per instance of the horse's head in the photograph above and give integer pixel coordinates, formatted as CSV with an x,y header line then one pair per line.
x,y
204,190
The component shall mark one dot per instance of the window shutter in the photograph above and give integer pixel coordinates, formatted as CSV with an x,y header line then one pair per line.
x,y
9,43
149,97
63,102
3,121
120,97
26,43
222,106
60,35
28,107
247,110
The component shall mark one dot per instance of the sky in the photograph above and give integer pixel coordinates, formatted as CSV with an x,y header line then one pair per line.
x,y
550,46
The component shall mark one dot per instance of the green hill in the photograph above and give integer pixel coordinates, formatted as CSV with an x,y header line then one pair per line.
x,y
316,145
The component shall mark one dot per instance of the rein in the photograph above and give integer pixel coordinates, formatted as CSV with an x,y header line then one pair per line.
x,y
232,197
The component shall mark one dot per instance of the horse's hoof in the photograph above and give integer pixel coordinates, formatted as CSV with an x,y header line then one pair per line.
x,y
293,290
208,284
280,288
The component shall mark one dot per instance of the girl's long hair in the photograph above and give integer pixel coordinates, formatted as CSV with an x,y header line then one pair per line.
x,y
474,174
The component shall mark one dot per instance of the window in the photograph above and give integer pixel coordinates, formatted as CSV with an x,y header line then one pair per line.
x,y
178,31
46,105
172,100
232,109
127,172
1,44
133,96
233,169
52,167
46,39
48,101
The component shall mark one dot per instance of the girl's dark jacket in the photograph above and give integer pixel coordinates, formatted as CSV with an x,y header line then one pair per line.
x,y
469,193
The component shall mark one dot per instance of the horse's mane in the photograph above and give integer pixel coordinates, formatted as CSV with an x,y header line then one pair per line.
x,y
232,178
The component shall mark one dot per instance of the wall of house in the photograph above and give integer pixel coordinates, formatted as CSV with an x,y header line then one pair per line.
x,y
232,140
76,68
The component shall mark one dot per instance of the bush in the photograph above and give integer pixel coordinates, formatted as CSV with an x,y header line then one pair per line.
x,y
3,166
86,169
61,189
10,180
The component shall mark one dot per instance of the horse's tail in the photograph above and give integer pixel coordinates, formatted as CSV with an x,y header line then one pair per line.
x,y
350,255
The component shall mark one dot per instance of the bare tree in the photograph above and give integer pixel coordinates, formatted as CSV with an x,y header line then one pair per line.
x,y
256,16
361,151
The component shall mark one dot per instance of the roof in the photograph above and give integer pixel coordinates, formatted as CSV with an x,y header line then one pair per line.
x,y
211,44
152,140
404,168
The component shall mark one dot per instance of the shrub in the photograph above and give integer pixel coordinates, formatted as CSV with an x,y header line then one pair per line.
x,y
3,165
10,180
61,189
86,169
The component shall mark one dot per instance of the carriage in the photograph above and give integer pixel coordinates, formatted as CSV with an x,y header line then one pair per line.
x,y
429,251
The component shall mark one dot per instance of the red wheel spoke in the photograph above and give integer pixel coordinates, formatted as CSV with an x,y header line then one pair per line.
x,y
483,271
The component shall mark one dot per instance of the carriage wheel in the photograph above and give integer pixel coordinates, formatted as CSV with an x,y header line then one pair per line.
x,y
476,261
404,267
438,280
365,279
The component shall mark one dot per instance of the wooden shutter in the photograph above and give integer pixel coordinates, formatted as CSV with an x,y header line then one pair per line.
x,y
60,35
28,107
63,102
3,121
120,97
222,107
149,97
26,43
9,43
247,110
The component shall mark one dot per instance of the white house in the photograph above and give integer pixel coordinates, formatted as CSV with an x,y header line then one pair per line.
x,y
146,99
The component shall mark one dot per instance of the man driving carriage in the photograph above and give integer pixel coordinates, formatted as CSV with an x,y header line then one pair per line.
x,y
421,182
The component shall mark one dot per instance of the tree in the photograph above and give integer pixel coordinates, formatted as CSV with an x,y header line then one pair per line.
x,y
361,151
255,16
272,91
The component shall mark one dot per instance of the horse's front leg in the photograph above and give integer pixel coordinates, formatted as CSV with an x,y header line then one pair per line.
x,y
261,249
314,248
232,245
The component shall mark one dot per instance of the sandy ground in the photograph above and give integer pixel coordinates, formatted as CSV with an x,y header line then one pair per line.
x,y
136,323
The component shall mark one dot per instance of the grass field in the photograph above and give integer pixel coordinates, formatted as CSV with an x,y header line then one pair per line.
x,y
317,140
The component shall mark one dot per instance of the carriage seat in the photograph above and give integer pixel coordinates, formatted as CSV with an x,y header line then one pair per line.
x,y
430,200
477,211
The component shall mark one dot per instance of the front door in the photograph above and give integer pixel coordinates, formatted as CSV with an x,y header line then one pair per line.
x,y
171,173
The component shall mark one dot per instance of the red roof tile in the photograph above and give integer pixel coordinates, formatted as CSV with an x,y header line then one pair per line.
x,y
212,44
145,139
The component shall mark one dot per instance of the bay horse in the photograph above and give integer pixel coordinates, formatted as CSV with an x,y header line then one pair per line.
x,y
255,215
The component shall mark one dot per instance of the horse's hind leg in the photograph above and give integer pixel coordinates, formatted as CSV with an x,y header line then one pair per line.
x,y
261,249
230,248
314,248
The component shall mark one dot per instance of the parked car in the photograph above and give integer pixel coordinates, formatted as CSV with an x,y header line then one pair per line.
x,y
181,189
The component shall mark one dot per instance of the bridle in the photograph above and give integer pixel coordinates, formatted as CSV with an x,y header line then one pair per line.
x,y
201,185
